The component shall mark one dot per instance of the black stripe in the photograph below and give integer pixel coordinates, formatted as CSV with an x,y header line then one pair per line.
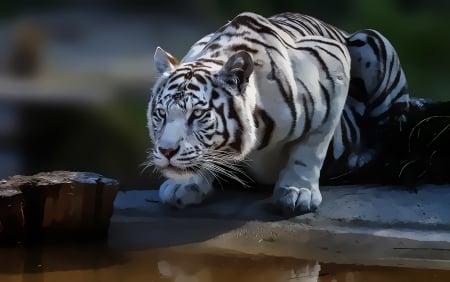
x,y
225,134
304,26
232,114
199,137
401,92
313,23
269,125
332,55
309,115
193,87
242,47
284,26
326,94
295,25
286,93
187,68
335,44
233,34
173,86
374,47
356,43
390,111
214,46
265,45
255,118
257,27
387,91
337,33
217,62
176,75
201,43
308,121
389,74
300,163
190,120
200,78
322,63
209,127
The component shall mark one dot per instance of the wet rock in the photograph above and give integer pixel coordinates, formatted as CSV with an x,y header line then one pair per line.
x,y
58,205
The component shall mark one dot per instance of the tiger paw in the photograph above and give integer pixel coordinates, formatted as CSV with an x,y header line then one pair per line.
x,y
295,201
183,193
360,159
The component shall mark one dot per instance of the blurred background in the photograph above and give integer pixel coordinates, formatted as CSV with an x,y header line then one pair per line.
x,y
75,76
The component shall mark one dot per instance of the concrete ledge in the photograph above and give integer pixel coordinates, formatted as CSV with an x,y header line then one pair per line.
x,y
365,225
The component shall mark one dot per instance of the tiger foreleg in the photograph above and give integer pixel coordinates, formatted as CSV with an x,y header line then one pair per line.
x,y
185,192
297,190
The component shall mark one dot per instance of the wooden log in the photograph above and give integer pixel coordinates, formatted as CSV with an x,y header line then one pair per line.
x,y
12,222
63,205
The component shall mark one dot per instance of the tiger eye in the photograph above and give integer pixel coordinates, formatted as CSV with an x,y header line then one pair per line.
x,y
161,112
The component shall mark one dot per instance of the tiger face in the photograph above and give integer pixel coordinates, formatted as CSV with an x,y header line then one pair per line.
x,y
200,114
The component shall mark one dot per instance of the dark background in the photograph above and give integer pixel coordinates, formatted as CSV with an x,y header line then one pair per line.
x,y
75,75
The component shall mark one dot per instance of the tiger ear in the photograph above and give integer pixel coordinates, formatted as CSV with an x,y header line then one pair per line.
x,y
164,61
237,70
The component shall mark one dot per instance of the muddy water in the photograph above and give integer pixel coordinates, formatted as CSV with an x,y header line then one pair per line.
x,y
100,263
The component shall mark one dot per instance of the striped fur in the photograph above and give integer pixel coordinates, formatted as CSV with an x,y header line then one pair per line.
x,y
276,93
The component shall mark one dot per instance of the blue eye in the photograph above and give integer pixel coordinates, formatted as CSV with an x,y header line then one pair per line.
x,y
198,113
160,112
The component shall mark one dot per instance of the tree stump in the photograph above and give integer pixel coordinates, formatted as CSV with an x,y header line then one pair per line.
x,y
57,206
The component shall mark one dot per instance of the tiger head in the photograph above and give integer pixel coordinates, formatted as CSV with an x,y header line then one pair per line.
x,y
200,114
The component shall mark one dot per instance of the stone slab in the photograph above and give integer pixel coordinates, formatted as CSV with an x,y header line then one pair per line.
x,y
355,224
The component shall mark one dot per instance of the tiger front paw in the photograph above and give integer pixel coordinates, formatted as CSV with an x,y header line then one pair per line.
x,y
183,193
295,201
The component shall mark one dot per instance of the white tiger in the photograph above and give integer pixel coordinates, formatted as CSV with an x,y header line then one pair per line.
x,y
271,93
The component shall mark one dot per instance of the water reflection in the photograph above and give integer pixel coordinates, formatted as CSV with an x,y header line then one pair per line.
x,y
93,263
238,269
181,267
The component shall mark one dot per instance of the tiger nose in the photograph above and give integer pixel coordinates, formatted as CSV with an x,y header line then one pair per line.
x,y
168,152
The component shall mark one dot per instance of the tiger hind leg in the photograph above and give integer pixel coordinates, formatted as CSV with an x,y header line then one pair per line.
x,y
376,64
379,86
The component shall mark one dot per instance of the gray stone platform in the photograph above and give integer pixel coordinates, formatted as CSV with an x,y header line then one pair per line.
x,y
354,224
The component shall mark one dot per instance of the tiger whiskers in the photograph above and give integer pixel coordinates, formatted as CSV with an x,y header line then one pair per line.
x,y
205,175
214,164
439,134
416,130
222,163
149,162
408,163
